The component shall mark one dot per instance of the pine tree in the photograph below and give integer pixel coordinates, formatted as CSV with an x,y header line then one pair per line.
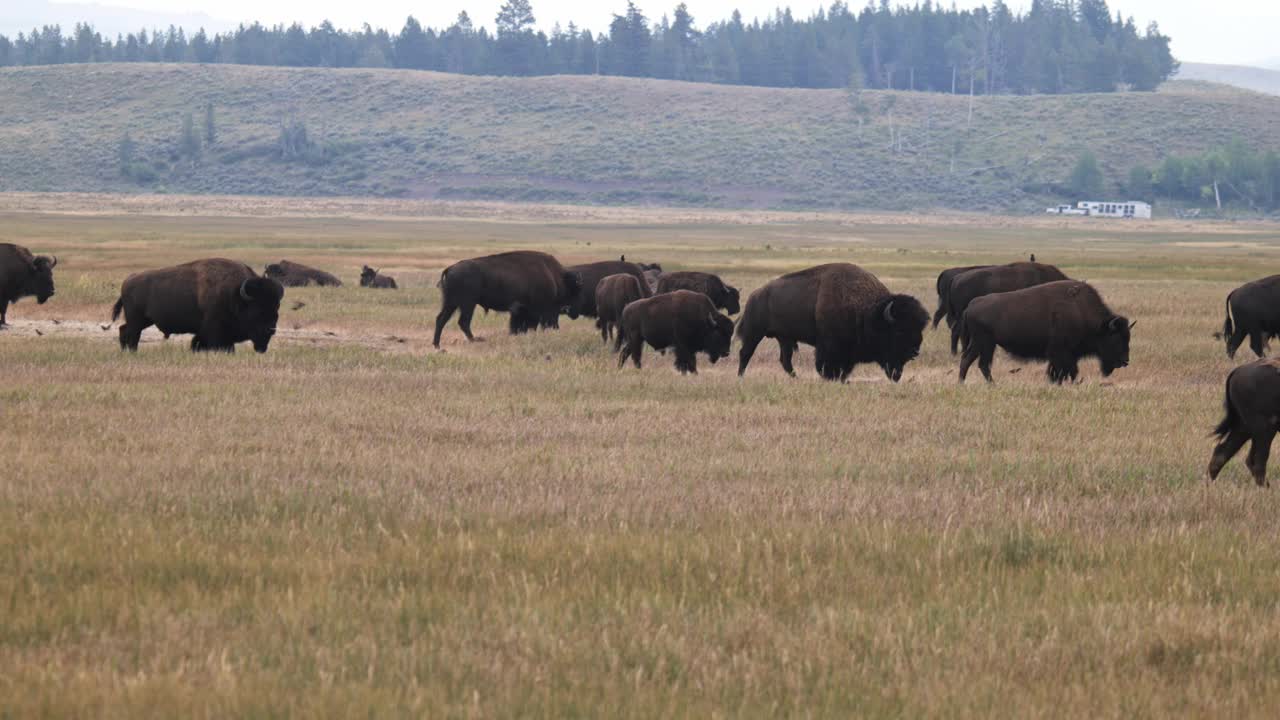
x,y
210,130
189,141
126,153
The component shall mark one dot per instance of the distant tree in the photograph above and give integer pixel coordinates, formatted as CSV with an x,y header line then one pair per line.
x,y
517,54
629,38
125,153
210,129
1140,186
189,140
1086,178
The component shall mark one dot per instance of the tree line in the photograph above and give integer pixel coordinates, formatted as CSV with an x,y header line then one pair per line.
x,y
1056,46
1235,174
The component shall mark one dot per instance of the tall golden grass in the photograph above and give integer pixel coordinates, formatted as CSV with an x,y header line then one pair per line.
x,y
353,524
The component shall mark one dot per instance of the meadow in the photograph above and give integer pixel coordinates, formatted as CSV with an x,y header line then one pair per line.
x,y
354,523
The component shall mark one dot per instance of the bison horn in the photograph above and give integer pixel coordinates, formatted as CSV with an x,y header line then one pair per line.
x,y
54,263
244,290
711,320
888,312
1135,322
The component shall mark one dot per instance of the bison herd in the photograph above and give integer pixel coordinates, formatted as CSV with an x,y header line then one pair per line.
x,y
1031,310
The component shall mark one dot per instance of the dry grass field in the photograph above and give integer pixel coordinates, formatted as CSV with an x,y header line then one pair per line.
x,y
353,524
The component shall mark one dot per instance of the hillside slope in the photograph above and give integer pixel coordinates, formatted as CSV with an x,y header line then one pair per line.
x,y
1257,79
396,133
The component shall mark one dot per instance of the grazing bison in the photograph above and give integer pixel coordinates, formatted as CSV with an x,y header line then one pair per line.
x,y
1253,310
1253,415
847,314
292,274
682,319
613,294
724,297
1061,322
23,275
945,278
584,304
221,302
995,279
532,286
370,278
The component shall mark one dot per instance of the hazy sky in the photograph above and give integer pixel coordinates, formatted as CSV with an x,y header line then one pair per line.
x,y
1224,31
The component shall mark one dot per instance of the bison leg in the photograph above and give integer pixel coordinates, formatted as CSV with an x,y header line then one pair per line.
x,y
955,338
970,354
686,360
1258,343
1226,450
4,312
1259,451
603,326
987,354
464,320
635,346
442,319
828,363
749,344
618,338
786,349
131,333
1234,340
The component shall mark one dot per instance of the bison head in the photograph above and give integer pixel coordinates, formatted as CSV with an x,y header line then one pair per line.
x,y
274,270
367,274
897,326
731,301
719,336
40,280
258,310
1113,344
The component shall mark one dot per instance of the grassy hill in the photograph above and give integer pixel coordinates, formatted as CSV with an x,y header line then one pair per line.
x,y
393,133
1261,80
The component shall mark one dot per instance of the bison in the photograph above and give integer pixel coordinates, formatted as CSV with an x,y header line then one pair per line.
x,y
845,312
724,297
531,285
613,294
371,278
292,274
994,279
945,278
1252,404
584,305
1061,322
23,275
221,302
1253,310
684,320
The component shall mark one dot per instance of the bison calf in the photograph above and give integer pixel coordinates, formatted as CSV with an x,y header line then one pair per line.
x,y
221,302
23,275
724,297
684,320
1061,322
1252,403
370,278
613,294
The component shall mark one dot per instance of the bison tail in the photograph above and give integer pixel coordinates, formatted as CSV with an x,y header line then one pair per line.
x,y
117,309
1228,325
443,276
1232,419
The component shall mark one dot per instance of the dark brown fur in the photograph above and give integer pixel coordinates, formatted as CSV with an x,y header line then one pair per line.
x,y
945,278
371,278
973,284
847,314
591,275
1252,406
684,320
292,274
1061,322
205,298
613,294
724,297
531,285
1253,311
23,275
